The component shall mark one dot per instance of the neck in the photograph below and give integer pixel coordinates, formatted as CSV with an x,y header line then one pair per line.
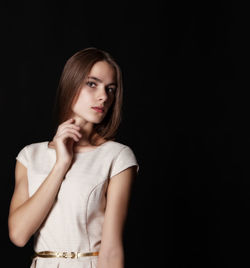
x,y
89,136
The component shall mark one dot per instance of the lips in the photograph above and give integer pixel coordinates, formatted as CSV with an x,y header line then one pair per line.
x,y
98,109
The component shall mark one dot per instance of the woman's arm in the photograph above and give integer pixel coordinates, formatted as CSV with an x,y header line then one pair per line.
x,y
111,253
26,214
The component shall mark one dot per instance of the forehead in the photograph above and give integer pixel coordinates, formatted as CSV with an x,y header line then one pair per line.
x,y
104,71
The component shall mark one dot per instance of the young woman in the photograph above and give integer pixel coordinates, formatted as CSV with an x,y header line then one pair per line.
x,y
72,193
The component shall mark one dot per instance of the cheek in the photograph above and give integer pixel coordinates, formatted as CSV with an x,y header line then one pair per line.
x,y
112,100
83,101
86,97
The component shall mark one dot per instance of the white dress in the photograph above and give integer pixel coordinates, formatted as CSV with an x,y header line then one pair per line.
x,y
74,223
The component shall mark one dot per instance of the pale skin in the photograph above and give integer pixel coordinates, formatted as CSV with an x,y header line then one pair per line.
x,y
26,213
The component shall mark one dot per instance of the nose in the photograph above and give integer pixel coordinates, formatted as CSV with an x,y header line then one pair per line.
x,y
102,94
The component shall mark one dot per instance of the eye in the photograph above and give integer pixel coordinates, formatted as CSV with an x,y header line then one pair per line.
x,y
91,84
111,89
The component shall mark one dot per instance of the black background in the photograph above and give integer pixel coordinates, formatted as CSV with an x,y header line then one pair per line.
x,y
185,115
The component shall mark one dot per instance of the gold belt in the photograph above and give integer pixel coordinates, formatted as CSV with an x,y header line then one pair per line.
x,y
71,255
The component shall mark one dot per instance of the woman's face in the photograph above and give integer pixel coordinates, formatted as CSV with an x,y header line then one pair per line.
x,y
98,90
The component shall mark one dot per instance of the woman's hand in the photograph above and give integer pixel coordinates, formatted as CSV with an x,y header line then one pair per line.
x,y
28,213
66,134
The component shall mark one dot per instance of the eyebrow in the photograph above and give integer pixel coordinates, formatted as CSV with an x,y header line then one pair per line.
x,y
100,81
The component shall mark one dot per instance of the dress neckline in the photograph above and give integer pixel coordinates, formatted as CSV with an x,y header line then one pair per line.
x,y
46,143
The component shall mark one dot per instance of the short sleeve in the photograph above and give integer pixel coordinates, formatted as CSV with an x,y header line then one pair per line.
x,y
23,156
126,158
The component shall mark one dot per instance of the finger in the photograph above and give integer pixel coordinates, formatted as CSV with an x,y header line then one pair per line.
x,y
69,135
71,130
67,121
69,126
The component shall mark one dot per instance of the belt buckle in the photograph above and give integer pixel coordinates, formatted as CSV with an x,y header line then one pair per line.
x,y
72,255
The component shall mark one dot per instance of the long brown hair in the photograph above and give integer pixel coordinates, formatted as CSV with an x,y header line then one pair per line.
x,y
73,75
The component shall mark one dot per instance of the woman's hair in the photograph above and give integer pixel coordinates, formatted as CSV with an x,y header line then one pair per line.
x,y
73,76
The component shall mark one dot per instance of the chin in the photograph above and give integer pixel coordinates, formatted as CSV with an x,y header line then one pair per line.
x,y
91,119
95,120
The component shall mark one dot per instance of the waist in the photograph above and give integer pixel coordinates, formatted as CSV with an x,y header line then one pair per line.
x,y
70,255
